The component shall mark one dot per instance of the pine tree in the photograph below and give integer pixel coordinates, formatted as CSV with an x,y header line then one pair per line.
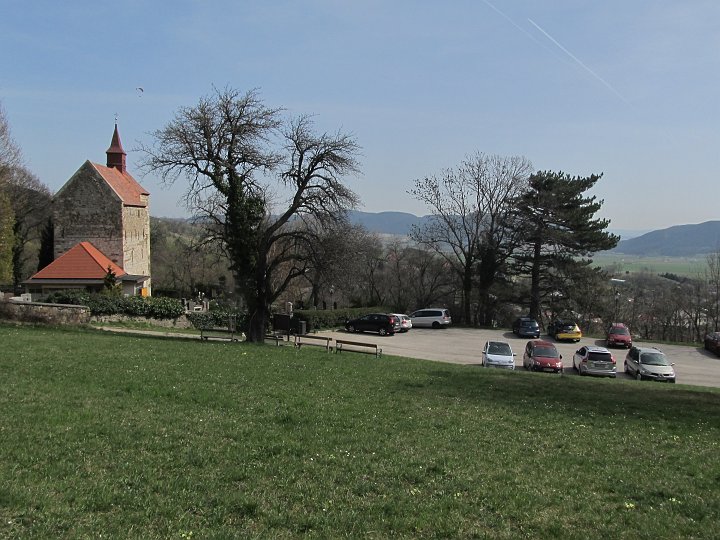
x,y
559,228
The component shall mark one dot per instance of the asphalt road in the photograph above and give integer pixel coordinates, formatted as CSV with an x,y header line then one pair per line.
x,y
693,365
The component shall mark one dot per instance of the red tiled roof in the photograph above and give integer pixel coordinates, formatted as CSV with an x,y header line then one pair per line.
x,y
126,187
84,261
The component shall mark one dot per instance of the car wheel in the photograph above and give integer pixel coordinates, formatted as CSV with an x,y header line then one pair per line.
x,y
575,367
625,368
351,329
638,376
436,324
382,332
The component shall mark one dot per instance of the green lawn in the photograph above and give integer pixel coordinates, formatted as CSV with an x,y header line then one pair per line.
x,y
131,437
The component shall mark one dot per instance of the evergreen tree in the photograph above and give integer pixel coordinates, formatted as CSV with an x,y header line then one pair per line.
x,y
7,239
47,245
559,228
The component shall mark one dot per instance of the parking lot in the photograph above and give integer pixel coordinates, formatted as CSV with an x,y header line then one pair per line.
x,y
693,365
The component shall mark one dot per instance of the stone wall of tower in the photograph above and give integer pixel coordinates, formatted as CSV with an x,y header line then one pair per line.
x,y
87,209
136,240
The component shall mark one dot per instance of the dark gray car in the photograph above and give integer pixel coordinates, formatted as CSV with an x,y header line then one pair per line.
x,y
526,327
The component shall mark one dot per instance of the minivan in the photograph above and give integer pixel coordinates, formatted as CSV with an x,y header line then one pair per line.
x,y
431,318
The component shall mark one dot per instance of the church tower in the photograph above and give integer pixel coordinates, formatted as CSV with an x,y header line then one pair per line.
x,y
105,205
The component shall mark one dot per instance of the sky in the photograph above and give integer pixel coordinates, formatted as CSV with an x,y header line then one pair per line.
x,y
629,89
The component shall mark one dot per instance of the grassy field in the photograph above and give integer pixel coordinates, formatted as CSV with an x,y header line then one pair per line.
x,y
681,266
129,437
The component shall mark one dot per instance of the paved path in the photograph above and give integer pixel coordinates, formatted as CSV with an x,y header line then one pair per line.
x,y
693,365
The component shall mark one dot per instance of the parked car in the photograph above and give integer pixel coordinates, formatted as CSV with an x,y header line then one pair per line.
x,y
541,355
618,335
594,361
712,342
649,363
526,327
431,317
404,322
382,323
562,329
498,354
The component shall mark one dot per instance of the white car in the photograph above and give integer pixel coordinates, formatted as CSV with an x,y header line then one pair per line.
x,y
405,322
431,317
498,354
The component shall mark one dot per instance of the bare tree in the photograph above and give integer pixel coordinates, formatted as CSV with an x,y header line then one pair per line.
x,y
30,202
713,286
10,155
472,209
224,147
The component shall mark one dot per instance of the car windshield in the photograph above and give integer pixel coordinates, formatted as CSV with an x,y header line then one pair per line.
x,y
620,331
549,352
528,323
499,348
600,356
654,359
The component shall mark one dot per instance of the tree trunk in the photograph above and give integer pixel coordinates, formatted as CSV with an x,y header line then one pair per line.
x,y
535,283
467,295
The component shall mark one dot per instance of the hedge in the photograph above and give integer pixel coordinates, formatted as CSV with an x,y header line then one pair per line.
x,y
104,304
318,319
218,318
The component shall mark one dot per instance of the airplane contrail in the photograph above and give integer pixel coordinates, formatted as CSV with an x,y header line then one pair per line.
x,y
506,17
579,62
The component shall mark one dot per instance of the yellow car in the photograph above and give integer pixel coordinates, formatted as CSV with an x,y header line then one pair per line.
x,y
564,330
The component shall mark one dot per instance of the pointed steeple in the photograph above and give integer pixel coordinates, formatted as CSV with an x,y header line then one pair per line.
x,y
115,154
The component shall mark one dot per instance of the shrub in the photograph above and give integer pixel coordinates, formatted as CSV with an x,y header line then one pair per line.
x,y
162,307
111,304
218,318
72,297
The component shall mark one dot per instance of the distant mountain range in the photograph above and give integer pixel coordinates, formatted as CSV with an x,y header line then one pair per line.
x,y
398,223
677,241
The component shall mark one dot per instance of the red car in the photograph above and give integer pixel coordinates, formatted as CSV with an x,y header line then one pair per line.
x,y
712,342
618,335
542,355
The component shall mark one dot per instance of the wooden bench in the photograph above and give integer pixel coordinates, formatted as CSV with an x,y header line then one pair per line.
x,y
342,344
307,339
277,338
221,333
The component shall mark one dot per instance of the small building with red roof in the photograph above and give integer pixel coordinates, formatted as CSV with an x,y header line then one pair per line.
x,y
105,211
82,267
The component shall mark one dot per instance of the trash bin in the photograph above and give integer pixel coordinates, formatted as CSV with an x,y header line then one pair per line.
x,y
302,327
281,323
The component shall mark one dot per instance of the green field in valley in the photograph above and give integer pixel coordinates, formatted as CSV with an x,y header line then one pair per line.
x,y
681,266
133,437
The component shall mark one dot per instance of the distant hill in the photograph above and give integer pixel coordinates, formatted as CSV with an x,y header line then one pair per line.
x,y
677,241
398,223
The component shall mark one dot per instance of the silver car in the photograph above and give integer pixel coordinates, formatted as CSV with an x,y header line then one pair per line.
x,y
498,354
590,360
431,317
649,363
404,321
